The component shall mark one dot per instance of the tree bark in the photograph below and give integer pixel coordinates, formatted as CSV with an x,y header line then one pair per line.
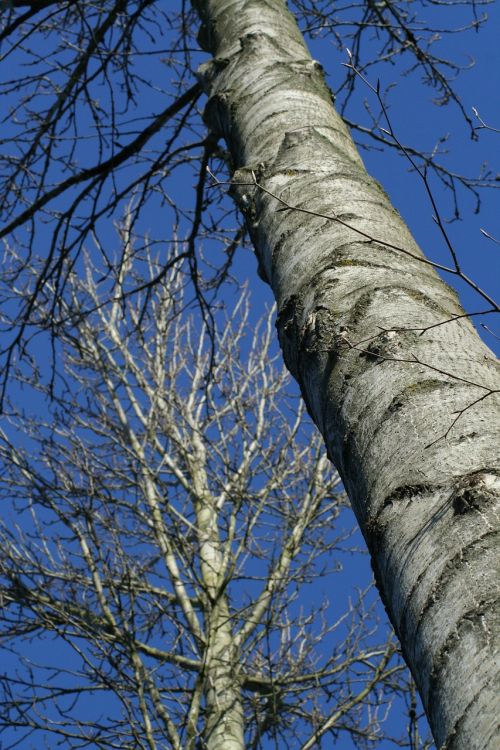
x,y
224,721
351,290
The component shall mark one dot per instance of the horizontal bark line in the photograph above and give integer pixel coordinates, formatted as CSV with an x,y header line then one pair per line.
x,y
488,737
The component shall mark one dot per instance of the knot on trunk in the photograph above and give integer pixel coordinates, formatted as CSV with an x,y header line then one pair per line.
x,y
476,492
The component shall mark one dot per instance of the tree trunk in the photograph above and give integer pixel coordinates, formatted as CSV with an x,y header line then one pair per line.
x,y
223,707
384,398
224,721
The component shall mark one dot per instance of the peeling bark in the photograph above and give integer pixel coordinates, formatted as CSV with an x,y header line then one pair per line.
x,y
383,397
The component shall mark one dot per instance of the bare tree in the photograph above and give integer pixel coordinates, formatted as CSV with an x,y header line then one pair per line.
x,y
165,529
393,373
103,103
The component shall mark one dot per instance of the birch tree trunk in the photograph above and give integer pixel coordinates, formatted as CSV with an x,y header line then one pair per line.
x,y
351,292
224,724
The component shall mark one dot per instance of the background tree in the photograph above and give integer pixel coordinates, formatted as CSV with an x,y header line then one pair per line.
x,y
159,533
80,139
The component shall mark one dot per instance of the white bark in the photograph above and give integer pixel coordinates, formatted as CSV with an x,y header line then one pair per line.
x,y
427,505
224,713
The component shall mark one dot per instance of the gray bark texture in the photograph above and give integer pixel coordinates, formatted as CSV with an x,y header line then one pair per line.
x,y
351,290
